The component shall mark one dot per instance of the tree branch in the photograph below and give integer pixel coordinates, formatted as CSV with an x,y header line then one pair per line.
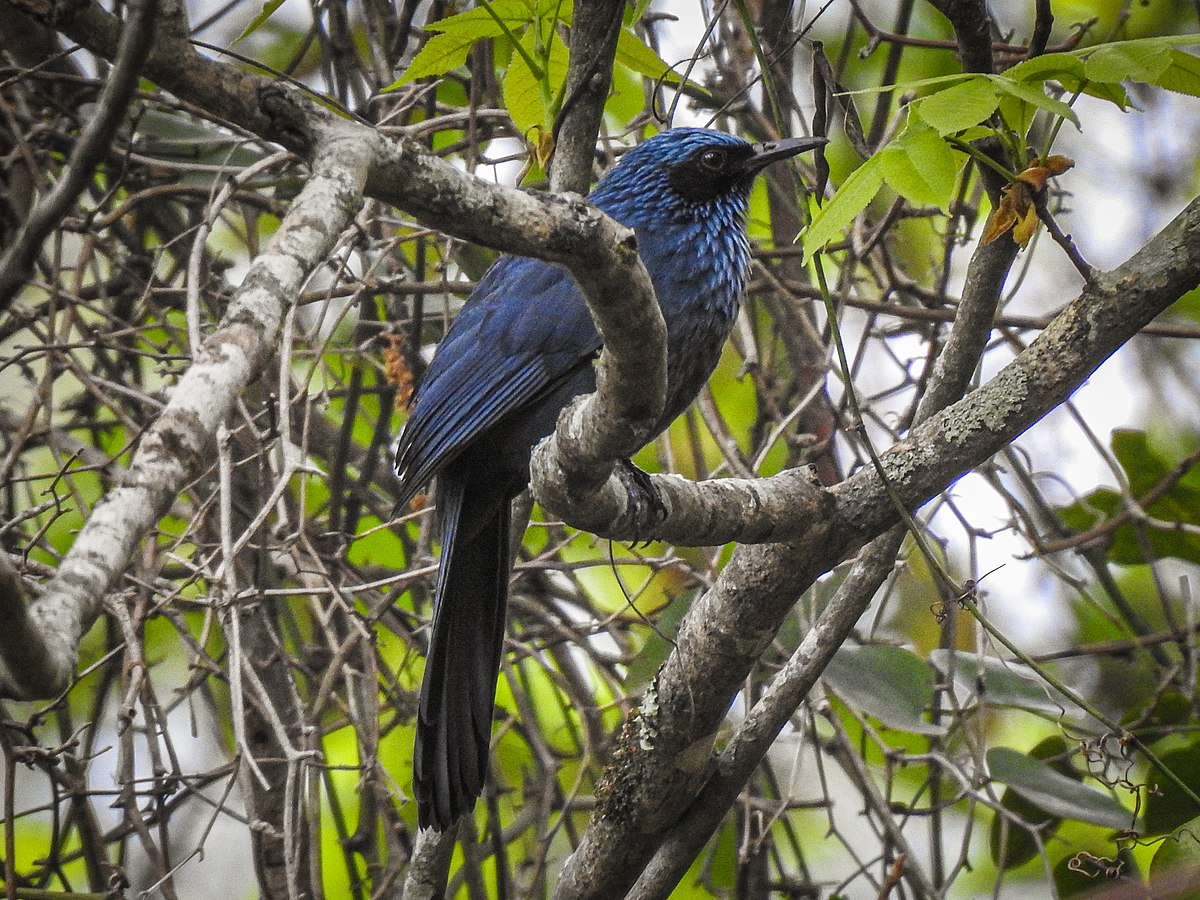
x,y
95,137
663,756
174,449
594,34
952,372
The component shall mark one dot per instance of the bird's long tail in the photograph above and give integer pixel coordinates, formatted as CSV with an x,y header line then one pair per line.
x,y
454,722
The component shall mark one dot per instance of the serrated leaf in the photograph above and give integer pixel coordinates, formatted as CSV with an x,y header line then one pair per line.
x,y
850,199
268,9
457,34
1136,60
486,21
1183,75
958,107
1034,96
1068,70
1054,792
635,54
920,166
1113,93
441,53
528,98
1061,67
891,684
1148,60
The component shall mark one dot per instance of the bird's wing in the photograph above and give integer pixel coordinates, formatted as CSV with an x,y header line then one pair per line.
x,y
524,328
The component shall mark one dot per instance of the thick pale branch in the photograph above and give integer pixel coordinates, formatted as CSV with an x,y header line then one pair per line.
x,y
951,374
758,731
175,447
664,757
698,514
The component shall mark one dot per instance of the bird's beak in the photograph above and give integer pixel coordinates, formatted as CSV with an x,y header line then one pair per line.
x,y
769,152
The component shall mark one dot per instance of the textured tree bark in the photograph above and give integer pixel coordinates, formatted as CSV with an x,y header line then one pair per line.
x,y
594,34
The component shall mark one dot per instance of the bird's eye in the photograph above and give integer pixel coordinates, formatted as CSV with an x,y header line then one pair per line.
x,y
713,160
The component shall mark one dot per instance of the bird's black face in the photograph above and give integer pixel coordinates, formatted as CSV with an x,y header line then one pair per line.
x,y
712,171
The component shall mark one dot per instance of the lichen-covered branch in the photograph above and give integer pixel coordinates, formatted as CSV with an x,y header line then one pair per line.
x,y
176,446
664,757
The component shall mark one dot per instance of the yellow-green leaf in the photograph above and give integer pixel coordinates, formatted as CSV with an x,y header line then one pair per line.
x,y
528,98
958,107
1179,852
449,48
633,53
1066,68
920,166
1035,96
851,198
1183,75
268,10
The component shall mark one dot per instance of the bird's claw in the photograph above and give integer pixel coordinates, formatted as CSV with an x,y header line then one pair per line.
x,y
646,503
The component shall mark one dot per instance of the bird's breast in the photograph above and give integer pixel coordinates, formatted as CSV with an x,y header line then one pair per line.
x,y
699,272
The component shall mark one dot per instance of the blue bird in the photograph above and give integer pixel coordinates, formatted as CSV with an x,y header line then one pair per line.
x,y
522,348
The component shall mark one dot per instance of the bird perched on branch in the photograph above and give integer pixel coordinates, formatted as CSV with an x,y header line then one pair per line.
x,y
518,352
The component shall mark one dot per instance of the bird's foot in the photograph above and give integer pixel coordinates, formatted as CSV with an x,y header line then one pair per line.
x,y
646,505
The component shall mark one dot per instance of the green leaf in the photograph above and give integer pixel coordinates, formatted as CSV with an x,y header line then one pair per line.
x,y
1167,809
1145,468
1065,68
1034,96
268,9
1183,75
1149,60
1010,844
510,14
953,78
529,99
449,49
851,198
1137,60
920,166
634,53
441,53
891,684
1068,70
1012,684
1180,851
958,107
1054,792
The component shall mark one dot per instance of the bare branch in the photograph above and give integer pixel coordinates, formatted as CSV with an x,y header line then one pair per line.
x,y
174,449
94,139
594,33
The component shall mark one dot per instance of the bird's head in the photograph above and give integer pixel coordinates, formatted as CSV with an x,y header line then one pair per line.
x,y
688,168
